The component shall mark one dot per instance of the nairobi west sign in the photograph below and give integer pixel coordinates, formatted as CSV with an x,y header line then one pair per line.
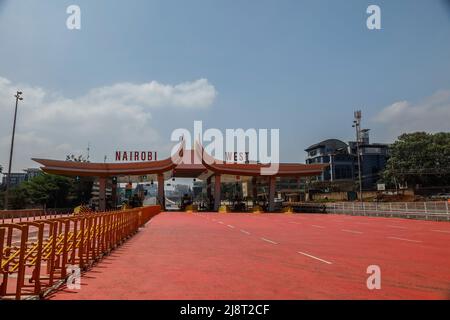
x,y
136,156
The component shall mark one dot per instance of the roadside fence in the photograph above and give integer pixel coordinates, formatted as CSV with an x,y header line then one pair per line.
x,y
35,256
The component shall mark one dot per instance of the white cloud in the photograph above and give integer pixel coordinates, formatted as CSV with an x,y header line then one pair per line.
x,y
430,115
110,118
197,94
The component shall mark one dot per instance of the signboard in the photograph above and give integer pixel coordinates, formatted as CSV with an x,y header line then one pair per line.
x,y
372,150
381,187
136,156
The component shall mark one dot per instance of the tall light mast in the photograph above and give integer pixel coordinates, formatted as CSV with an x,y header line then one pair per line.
x,y
357,126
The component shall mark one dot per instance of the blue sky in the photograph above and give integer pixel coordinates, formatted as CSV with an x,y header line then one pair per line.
x,y
301,66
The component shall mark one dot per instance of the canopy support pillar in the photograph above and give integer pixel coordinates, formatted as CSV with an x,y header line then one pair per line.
x,y
102,194
272,182
217,192
208,192
161,195
255,191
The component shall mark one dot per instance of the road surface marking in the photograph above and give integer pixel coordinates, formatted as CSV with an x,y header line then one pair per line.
x,y
270,241
313,257
352,231
316,226
403,239
246,232
220,222
398,227
294,222
229,225
443,231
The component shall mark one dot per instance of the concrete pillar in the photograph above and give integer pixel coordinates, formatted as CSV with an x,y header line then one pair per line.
x,y
272,182
254,191
114,195
217,192
208,191
102,194
161,195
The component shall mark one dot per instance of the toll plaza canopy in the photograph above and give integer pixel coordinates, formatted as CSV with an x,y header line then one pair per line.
x,y
184,163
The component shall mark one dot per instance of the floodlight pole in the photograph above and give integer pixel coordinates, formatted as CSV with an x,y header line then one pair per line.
x,y
8,177
357,125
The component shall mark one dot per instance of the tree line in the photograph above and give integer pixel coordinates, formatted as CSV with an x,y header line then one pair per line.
x,y
419,159
49,191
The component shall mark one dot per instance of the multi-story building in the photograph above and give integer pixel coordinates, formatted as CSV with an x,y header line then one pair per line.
x,y
17,178
373,161
32,173
343,160
336,153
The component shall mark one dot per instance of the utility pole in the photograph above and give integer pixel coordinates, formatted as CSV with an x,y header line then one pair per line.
x,y
8,177
357,126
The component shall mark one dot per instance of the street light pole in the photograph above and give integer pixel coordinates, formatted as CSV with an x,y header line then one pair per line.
x,y
357,126
8,178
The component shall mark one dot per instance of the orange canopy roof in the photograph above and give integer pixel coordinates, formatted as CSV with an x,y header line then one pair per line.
x,y
73,168
203,163
105,169
256,169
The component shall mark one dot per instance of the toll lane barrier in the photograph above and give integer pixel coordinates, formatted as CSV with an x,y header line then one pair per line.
x,y
35,256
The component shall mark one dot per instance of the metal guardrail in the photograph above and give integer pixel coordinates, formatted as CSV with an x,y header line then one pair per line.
x,y
439,210
396,208
305,207
32,214
34,256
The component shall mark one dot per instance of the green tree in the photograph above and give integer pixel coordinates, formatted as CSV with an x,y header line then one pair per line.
x,y
419,159
51,191
18,198
55,191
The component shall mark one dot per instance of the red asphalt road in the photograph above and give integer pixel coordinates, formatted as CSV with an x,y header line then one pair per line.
x,y
273,256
